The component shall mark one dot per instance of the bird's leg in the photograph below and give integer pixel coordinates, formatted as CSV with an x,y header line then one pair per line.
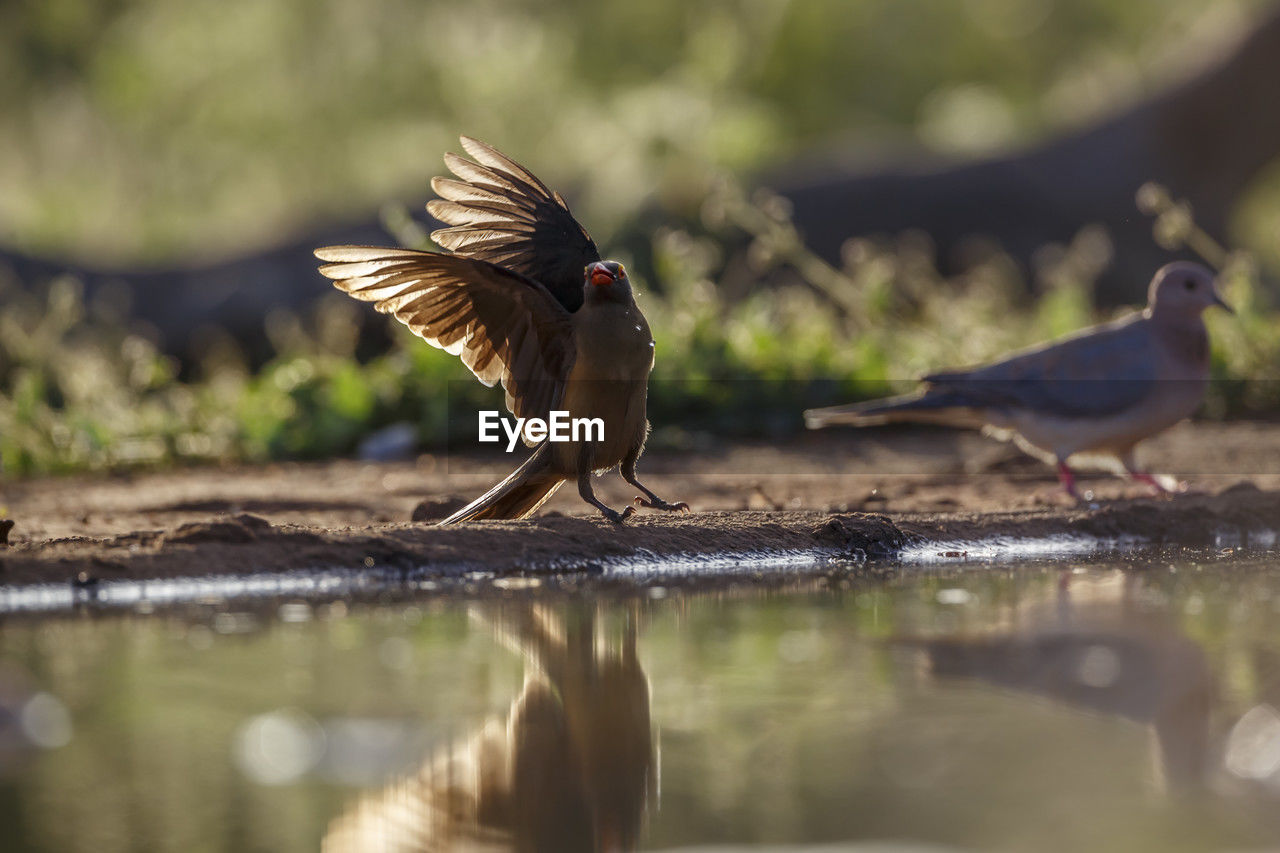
x,y
1068,480
628,469
588,495
1151,480
1160,485
584,489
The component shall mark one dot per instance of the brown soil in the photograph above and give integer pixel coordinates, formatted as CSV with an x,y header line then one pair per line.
x,y
858,493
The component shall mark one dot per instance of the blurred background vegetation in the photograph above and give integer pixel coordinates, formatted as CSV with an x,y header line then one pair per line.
x,y
142,132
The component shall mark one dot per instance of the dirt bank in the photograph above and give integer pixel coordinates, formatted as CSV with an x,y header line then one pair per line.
x,y
858,494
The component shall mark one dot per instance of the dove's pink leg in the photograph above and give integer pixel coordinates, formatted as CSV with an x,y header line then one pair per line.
x,y
1068,480
1160,488
1146,478
1153,482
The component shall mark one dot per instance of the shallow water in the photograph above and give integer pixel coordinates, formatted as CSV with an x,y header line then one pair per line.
x,y
1124,706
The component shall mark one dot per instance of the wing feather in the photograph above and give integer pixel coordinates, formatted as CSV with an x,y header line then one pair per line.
x,y
478,213
352,254
461,192
487,155
505,327
500,212
481,236
484,177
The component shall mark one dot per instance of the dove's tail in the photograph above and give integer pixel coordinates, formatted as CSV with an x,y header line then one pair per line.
x,y
519,495
932,407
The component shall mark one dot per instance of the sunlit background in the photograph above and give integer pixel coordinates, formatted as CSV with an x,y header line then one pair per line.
x,y
144,135
145,130
180,145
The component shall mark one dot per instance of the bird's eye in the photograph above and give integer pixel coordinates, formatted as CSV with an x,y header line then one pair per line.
x,y
622,271
1189,284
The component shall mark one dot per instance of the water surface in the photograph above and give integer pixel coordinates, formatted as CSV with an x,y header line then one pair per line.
x,y
1091,706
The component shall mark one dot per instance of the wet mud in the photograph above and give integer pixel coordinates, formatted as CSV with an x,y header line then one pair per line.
x,y
878,498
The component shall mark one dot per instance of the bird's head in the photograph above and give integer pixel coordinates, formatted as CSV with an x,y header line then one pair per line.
x,y
607,281
1184,289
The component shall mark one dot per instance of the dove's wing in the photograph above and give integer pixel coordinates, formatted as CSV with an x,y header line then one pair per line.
x,y
502,213
505,327
1098,373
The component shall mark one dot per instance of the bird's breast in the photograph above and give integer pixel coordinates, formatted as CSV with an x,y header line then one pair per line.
x,y
612,343
609,380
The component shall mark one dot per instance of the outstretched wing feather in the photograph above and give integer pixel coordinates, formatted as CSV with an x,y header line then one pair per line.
x,y
505,327
500,212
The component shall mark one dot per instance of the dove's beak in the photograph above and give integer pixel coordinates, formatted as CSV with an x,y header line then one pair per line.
x,y
1222,303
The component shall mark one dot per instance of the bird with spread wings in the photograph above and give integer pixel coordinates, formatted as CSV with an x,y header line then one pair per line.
x,y
522,295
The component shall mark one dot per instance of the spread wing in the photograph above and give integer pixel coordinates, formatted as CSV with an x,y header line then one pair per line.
x,y
1101,372
502,213
505,327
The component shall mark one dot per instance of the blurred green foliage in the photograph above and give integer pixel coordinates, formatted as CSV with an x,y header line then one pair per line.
x,y
79,392
146,129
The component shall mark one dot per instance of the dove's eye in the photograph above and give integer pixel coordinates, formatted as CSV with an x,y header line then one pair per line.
x,y
1190,284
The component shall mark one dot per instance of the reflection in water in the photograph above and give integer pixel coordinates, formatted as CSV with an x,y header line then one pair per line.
x,y
1093,648
571,767
792,715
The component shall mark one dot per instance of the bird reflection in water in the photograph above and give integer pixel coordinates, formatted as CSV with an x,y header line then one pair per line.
x,y
571,767
1097,649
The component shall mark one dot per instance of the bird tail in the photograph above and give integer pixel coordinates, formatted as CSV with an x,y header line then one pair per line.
x,y
519,495
931,407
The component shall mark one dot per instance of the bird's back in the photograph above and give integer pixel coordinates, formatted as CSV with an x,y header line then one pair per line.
x,y
1096,372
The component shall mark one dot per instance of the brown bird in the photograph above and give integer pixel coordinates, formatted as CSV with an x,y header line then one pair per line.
x,y
524,298
572,767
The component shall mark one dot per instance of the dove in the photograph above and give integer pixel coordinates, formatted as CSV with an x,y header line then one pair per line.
x,y
1093,643
1093,395
522,295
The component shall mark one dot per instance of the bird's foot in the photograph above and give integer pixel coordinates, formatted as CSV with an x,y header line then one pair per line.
x,y
1160,484
617,517
659,503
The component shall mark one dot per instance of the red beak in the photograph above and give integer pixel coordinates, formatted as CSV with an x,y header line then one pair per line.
x,y
600,275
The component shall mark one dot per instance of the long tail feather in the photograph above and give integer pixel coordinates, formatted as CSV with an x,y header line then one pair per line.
x,y
518,496
946,408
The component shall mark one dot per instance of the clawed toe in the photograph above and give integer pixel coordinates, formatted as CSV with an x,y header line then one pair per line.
x,y
619,517
659,503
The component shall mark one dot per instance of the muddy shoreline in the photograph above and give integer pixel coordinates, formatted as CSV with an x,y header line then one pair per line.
x,y
931,494
237,544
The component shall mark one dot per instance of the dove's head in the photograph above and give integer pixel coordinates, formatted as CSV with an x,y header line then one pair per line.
x,y
1184,289
606,281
